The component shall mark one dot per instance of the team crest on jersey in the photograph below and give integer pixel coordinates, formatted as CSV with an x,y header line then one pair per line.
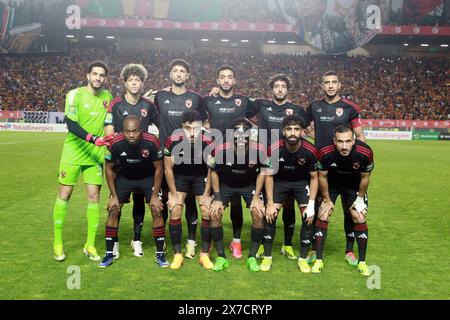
x,y
188,103
356,165
301,161
145,153
238,102
105,104
339,112
289,112
144,112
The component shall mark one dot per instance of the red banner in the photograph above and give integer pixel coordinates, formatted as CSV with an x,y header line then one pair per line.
x,y
11,115
244,26
406,123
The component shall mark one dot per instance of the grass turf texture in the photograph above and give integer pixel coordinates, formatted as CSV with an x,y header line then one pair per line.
x,y
408,237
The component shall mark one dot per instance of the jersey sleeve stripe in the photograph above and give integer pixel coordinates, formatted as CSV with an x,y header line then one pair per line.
x,y
364,151
152,138
118,138
172,139
311,149
356,123
354,105
325,150
113,102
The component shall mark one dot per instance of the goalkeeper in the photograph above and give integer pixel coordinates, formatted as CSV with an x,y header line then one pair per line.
x,y
83,153
344,169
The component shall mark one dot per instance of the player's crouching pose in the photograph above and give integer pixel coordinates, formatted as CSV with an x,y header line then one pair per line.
x,y
345,169
297,175
239,168
186,171
141,170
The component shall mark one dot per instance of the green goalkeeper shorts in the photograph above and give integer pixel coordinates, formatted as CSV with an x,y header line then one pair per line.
x,y
69,173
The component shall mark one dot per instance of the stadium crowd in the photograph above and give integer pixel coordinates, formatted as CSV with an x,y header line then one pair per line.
x,y
385,88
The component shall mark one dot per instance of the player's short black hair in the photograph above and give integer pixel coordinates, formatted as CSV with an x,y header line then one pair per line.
x,y
293,120
98,63
191,116
134,69
280,77
242,122
330,73
180,62
226,67
131,117
342,128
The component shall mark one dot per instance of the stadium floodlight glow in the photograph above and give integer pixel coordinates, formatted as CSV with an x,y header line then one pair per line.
x,y
158,39
444,45
424,45
110,37
89,37
291,42
70,36
244,40
224,40
204,40
271,41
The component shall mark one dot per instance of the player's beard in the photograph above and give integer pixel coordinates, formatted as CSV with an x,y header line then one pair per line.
x,y
94,86
226,91
291,142
179,84
280,100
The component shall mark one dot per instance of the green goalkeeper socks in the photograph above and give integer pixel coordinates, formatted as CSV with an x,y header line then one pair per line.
x,y
93,216
59,215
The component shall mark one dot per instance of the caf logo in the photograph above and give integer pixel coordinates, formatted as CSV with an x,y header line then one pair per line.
x,y
339,112
144,112
145,153
238,102
188,103
289,112
356,165
301,161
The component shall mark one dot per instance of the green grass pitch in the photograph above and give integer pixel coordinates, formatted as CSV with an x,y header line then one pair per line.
x,y
409,237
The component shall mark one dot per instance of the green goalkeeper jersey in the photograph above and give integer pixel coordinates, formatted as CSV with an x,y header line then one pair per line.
x,y
89,112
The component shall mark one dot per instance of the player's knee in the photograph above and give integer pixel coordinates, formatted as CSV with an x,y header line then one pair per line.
x,y
158,221
93,196
114,213
216,221
175,213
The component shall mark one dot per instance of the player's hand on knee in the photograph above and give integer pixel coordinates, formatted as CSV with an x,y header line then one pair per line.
x,y
308,212
206,202
326,209
359,205
258,206
173,201
216,209
156,205
113,203
271,212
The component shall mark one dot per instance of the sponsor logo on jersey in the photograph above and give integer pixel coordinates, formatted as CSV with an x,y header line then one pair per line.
x,y
217,102
301,161
167,101
281,159
125,113
123,154
188,103
333,165
238,102
339,112
269,109
289,112
145,153
144,112
356,165
319,110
